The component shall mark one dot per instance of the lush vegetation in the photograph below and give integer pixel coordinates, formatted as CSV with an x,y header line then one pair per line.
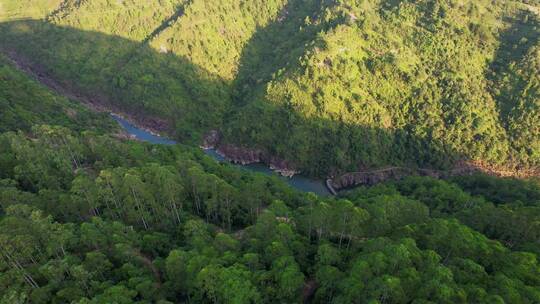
x,y
328,85
25,103
396,82
89,217
86,217
134,19
21,9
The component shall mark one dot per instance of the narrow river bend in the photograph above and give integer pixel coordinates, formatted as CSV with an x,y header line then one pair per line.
x,y
299,182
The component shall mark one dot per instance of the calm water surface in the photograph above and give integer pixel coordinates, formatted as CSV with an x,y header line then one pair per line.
x,y
298,181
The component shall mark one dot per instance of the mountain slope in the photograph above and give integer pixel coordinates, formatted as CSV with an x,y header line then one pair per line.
x,y
213,34
409,77
133,19
330,86
26,103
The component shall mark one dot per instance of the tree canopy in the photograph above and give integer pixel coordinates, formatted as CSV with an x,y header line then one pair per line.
x,y
88,215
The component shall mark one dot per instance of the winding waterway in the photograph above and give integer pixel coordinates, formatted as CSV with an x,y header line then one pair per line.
x,y
299,182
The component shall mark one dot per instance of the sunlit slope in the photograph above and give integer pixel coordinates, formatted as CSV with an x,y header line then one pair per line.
x,y
280,44
133,19
213,33
27,9
396,83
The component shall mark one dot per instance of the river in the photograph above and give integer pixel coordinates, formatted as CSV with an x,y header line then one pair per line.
x,y
298,181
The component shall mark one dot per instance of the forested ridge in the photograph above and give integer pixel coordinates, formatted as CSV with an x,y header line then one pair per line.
x,y
329,86
88,215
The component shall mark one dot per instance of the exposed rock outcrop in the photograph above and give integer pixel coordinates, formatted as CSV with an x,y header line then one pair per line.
x,y
368,178
281,166
246,156
211,140
240,155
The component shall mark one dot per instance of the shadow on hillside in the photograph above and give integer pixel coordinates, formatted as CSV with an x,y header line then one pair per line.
x,y
323,147
167,22
516,41
267,52
193,101
122,73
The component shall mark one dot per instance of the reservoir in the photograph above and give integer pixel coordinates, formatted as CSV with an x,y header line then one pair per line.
x,y
299,182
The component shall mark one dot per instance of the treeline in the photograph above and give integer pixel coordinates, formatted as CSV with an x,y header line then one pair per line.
x,y
86,218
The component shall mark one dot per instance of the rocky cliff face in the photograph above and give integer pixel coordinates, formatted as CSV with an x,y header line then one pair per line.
x,y
211,140
246,156
281,166
240,155
368,178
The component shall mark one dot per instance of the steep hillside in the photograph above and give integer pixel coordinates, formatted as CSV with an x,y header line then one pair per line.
x,y
514,78
395,84
329,86
212,34
25,103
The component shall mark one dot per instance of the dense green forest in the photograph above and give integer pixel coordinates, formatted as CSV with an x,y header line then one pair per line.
x,y
330,86
89,217
25,103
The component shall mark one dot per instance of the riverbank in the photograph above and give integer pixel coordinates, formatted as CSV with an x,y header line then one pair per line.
x,y
152,125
